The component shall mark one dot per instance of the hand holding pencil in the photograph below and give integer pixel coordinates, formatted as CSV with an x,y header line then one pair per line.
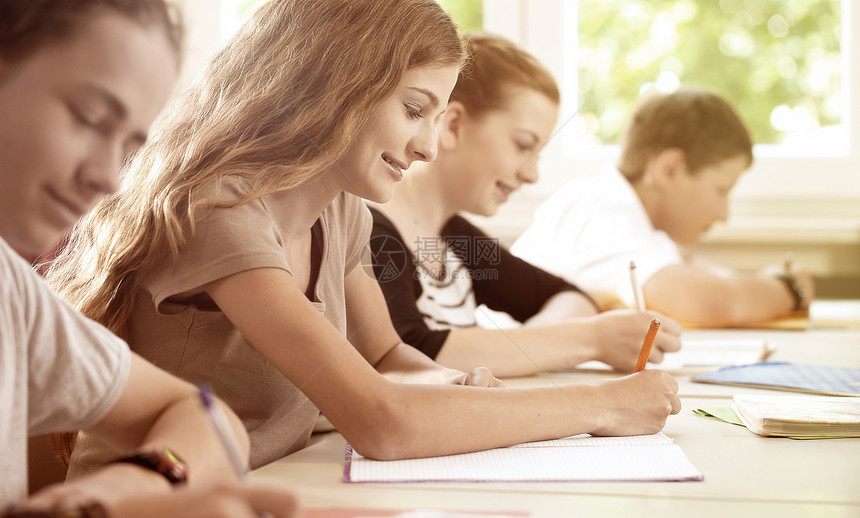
x,y
647,345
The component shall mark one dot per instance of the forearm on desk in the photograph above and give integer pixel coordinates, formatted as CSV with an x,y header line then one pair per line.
x,y
697,297
519,351
406,364
563,306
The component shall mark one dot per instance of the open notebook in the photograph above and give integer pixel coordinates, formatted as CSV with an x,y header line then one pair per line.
x,y
573,459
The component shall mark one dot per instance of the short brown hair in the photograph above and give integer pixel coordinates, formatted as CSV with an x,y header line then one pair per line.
x,y
700,123
26,25
495,64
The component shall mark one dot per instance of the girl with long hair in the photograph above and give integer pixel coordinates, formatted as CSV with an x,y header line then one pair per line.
x,y
232,253
502,112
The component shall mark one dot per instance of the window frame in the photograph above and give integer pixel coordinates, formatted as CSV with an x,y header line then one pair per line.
x,y
778,184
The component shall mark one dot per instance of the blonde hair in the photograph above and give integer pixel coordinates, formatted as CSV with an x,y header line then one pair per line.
x,y
495,64
277,106
700,123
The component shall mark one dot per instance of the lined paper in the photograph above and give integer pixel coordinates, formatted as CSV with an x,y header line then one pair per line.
x,y
573,459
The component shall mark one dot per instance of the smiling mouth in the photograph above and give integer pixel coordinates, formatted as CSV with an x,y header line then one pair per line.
x,y
396,168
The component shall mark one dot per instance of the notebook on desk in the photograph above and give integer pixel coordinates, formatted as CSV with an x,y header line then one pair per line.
x,y
799,416
572,459
813,379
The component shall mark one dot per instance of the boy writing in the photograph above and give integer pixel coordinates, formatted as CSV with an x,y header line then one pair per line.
x,y
681,155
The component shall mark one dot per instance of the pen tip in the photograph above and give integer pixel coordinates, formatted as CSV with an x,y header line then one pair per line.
x,y
656,321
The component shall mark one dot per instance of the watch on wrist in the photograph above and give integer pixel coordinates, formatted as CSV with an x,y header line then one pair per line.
x,y
161,460
798,292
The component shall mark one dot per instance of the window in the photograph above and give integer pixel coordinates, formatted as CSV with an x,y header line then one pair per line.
x,y
469,14
779,63
234,13
808,151
792,64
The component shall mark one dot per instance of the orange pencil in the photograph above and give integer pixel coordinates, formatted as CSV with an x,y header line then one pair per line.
x,y
646,346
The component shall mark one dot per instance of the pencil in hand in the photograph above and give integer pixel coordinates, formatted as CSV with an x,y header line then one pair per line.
x,y
647,345
638,296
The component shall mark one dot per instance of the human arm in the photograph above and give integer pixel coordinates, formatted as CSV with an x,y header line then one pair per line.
x,y
222,500
370,330
698,296
154,409
80,375
562,306
613,337
386,420
225,500
562,328
504,282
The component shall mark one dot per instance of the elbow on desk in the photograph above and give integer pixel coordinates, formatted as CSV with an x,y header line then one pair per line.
x,y
385,433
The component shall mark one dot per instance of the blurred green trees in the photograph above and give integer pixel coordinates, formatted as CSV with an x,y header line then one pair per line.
x,y
469,14
778,61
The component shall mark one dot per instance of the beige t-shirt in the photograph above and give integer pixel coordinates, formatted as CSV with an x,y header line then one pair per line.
x,y
204,346
58,369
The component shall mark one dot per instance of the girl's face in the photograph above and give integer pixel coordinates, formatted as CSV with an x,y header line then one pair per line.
x,y
73,111
488,157
403,130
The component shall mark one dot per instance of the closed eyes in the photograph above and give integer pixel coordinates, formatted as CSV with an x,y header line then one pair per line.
x,y
413,110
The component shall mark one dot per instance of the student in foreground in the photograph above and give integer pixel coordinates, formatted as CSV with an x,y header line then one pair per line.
x,y
80,83
231,253
435,268
681,155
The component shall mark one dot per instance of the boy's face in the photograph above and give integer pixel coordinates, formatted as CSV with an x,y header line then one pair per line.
x,y
690,204
72,112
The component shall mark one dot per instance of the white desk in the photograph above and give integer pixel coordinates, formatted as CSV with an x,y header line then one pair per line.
x,y
745,475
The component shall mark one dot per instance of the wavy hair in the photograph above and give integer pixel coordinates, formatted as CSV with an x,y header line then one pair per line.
x,y
277,106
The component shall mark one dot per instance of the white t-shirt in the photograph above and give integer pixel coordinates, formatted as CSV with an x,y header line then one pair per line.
x,y
590,230
59,370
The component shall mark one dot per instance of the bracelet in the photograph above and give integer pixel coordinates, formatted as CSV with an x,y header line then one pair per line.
x,y
162,461
798,292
